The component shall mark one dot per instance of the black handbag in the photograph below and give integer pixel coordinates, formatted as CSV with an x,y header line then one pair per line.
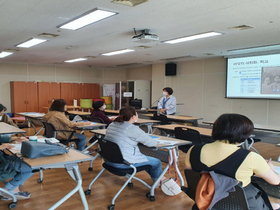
x,y
31,149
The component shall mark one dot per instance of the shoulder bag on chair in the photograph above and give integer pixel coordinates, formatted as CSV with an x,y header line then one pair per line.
x,y
33,150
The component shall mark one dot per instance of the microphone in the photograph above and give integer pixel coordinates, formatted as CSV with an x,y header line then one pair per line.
x,y
155,102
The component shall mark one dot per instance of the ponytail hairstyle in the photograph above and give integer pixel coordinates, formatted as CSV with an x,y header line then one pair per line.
x,y
126,114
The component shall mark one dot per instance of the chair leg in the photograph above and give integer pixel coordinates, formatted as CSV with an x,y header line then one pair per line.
x,y
98,175
119,192
140,180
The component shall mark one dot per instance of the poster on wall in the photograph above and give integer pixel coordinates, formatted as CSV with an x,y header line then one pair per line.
x,y
110,90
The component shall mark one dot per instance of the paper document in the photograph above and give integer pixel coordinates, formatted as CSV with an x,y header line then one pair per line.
x,y
277,169
16,146
33,114
93,123
167,142
52,140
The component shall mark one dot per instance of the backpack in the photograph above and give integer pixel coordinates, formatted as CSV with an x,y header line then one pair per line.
x,y
7,164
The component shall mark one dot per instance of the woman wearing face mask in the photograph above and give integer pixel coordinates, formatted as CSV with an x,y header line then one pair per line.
x,y
127,136
5,118
98,111
167,104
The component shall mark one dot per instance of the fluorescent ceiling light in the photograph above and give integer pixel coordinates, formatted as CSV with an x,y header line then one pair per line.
x,y
117,52
31,42
76,60
257,48
4,54
193,37
87,18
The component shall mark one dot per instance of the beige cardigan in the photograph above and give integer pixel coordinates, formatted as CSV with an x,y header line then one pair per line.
x,y
8,120
61,122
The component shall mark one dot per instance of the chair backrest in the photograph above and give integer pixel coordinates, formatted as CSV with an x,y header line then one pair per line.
x,y
235,201
188,134
96,119
162,118
50,131
110,151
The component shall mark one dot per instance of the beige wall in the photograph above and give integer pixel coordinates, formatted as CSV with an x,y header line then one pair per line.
x,y
201,84
52,73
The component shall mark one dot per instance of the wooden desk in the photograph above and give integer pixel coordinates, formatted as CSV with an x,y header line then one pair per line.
x,y
34,118
180,118
79,113
69,161
202,131
68,107
272,128
9,129
114,112
148,123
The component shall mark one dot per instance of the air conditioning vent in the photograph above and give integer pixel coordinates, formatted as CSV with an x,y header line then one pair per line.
x,y
47,35
129,64
241,27
177,58
131,3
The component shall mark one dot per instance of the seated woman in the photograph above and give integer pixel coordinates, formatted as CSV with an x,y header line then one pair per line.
x,y
24,171
127,136
229,130
57,117
98,111
5,118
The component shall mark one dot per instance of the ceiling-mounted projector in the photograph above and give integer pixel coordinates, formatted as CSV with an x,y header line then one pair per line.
x,y
145,37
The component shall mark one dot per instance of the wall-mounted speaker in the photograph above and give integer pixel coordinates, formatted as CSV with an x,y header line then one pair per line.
x,y
170,69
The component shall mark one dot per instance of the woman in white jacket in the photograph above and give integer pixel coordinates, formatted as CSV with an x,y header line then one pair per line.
x,y
167,104
127,136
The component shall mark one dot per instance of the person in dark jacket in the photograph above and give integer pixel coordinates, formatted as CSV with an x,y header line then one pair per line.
x,y
98,111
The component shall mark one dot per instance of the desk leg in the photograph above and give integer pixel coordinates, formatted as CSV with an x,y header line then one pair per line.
x,y
38,131
74,172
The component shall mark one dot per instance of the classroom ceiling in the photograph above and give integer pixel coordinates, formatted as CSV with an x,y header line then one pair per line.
x,y
21,20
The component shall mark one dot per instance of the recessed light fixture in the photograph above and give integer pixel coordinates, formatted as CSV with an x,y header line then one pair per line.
x,y
76,60
4,54
193,37
87,18
31,42
257,48
118,52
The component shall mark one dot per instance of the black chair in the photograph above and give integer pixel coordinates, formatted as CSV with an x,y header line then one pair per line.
x,y
234,201
187,134
51,132
110,151
162,118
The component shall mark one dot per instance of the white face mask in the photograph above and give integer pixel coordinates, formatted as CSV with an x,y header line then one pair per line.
x,y
104,107
164,93
0,117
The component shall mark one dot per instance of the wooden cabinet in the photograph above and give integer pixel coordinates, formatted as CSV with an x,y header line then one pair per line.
x,y
66,92
32,96
76,93
90,90
24,97
47,91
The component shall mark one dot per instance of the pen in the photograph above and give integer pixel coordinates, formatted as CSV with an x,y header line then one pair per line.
x,y
269,160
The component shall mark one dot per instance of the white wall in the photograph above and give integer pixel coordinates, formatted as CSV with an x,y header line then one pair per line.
x,y
201,84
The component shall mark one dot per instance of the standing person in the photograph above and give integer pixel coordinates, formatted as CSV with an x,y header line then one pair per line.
x,y
57,117
229,130
128,136
5,118
167,104
98,111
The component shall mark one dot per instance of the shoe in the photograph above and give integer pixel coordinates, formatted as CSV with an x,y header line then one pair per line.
x,y
22,195
88,152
